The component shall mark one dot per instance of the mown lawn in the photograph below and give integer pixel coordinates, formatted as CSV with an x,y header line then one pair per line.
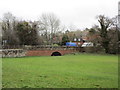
x,y
69,71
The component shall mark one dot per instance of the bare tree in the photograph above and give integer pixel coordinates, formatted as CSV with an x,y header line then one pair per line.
x,y
49,24
105,24
8,29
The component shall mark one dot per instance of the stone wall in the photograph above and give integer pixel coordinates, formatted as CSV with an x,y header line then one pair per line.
x,y
13,53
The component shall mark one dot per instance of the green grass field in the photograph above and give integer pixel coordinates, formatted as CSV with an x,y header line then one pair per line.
x,y
69,71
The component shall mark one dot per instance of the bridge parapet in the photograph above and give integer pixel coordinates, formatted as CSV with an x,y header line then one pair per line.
x,y
38,47
49,48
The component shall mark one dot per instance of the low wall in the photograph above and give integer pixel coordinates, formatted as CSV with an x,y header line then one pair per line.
x,y
35,52
92,49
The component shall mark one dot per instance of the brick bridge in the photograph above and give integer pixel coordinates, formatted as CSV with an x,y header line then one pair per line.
x,y
38,51
51,51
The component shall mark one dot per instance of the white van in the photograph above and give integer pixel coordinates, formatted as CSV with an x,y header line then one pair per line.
x,y
87,44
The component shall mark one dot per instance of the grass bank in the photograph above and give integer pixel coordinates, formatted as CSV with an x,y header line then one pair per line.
x,y
69,71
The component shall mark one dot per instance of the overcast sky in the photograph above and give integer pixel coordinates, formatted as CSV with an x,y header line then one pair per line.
x,y
74,13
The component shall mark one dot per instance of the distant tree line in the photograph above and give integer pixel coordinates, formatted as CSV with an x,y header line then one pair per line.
x,y
22,32
47,30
